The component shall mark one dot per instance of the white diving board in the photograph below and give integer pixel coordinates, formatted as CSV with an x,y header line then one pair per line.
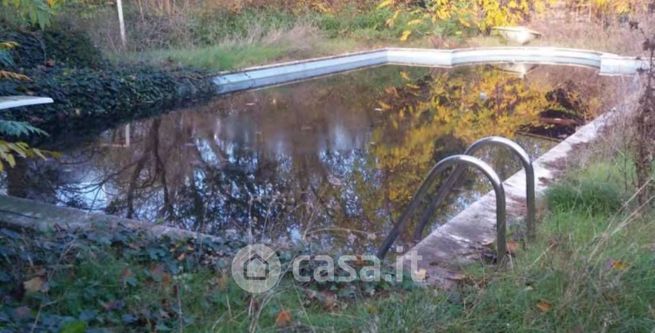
x,y
8,102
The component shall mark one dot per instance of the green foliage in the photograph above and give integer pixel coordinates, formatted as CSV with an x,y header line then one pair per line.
x,y
213,57
594,191
125,279
19,128
208,27
35,12
59,45
356,23
112,278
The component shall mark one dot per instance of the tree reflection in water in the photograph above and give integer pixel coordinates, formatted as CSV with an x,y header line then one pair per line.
x,y
334,159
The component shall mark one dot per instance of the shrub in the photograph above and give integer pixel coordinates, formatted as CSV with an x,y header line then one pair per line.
x,y
60,44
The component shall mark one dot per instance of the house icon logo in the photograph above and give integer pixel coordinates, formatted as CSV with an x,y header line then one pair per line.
x,y
256,268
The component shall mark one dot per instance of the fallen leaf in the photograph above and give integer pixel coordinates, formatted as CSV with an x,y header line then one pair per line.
x,y
544,306
421,274
329,300
512,247
33,285
283,318
618,265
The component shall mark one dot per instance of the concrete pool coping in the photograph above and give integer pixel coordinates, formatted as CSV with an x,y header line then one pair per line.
x,y
281,73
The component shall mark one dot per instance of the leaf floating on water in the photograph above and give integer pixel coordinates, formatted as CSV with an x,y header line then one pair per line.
x,y
283,318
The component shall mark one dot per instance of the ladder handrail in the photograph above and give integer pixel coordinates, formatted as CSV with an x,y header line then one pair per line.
x,y
442,165
454,176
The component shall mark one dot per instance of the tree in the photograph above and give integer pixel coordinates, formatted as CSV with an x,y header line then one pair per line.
x,y
9,150
644,124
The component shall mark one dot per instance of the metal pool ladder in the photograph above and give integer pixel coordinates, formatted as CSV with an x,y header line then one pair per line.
x,y
460,161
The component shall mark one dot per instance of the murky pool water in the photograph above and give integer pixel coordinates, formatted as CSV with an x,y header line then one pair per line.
x,y
332,160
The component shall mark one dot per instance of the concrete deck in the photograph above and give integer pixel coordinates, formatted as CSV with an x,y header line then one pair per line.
x,y
20,213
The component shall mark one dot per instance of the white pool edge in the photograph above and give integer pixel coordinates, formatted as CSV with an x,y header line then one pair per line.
x,y
280,73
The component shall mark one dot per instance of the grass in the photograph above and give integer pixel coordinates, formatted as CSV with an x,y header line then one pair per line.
x,y
221,41
235,56
592,269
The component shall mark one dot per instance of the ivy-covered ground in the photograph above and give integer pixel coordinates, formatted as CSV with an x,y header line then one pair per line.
x,y
592,269
125,280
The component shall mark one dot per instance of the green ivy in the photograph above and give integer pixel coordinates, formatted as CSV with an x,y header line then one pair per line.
x,y
88,91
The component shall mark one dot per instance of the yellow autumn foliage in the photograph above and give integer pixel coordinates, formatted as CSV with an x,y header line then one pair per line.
x,y
452,106
477,15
